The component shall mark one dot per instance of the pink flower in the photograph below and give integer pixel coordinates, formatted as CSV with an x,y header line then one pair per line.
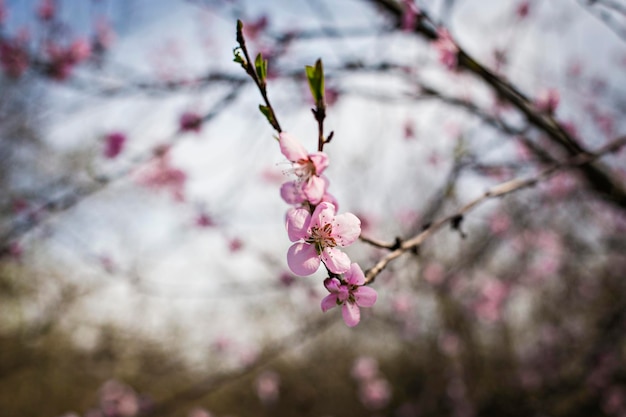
x,y
46,10
3,12
253,29
114,143
190,121
235,245
160,174
548,100
204,220
350,294
375,394
309,186
410,15
448,50
104,35
13,57
199,412
268,387
523,9
79,50
64,59
365,368
317,236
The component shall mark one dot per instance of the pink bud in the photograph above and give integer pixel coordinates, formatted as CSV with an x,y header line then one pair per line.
x,y
190,121
114,143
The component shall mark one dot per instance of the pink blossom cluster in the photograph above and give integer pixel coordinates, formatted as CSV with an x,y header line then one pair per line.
x,y
117,399
63,59
318,232
448,50
410,15
548,100
13,56
374,389
190,122
57,60
159,173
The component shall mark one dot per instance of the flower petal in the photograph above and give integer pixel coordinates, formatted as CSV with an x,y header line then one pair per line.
x,y
332,284
346,229
320,161
292,193
351,314
335,260
365,296
329,302
298,220
329,198
314,188
291,148
355,276
303,259
324,214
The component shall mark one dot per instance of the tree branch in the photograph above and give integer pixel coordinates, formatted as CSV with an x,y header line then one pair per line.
x,y
500,190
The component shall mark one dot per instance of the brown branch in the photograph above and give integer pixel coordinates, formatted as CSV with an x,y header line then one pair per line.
x,y
249,67
607,186
500,190
71,198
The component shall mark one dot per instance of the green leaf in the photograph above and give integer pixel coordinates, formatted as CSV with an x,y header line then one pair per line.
x,y
315,75
267,112
261,67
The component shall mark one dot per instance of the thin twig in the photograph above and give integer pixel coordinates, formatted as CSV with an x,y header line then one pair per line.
x,y
603,181
500,190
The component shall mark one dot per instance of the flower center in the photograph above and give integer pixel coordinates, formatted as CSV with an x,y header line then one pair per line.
x,y
322,237
304,169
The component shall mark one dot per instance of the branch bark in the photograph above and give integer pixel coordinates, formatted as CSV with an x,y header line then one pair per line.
x,y
597,175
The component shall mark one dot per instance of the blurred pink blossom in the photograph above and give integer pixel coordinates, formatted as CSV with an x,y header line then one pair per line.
x,y
104,35
62,60
287,279
447,49
489,306
499,223
365,368
614,401
114,144
410,15
268,387
548,100
199,412
449,343
3,12
402,304
254,28
160,174
118,399
190,122
13,57
235,245
523,8
375,394
434,273
204,220
408,130
46,9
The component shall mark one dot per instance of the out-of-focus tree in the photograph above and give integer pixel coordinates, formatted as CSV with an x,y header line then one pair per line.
x,y
459,193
